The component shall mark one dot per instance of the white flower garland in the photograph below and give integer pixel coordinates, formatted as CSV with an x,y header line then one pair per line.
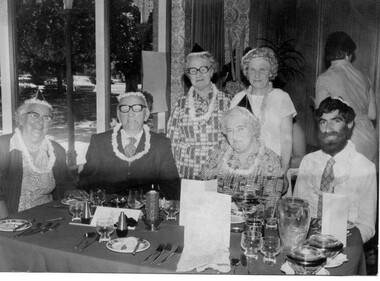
x,y
210,108
136,156
242,172
28,157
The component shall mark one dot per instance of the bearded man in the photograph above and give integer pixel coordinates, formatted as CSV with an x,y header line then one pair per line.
x,y
338,168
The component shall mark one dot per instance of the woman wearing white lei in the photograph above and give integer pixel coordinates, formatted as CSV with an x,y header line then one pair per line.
x,y
193,125
244,160
33,169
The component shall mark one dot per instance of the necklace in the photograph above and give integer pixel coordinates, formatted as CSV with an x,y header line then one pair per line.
x,y
28,157
253,169
136,156
211,107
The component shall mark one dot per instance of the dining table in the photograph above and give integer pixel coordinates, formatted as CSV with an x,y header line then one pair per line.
x,y
53,251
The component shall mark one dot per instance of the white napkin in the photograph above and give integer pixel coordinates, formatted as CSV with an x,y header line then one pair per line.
x,y
285,267
206,218
114,213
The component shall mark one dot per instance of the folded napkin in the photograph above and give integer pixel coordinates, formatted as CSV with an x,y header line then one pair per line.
x,y
337,261
206,217
285,267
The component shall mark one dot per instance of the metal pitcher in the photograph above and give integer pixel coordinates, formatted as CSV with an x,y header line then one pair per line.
x,y
293,221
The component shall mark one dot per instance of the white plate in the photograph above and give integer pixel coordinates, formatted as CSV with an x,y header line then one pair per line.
x,y
9,225
337,261
118,245
236,219
67,201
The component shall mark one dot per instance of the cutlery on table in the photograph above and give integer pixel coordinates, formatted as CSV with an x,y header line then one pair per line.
x,y
54,219
244,263
167,248
41,229
89,242
159,249
137,246
234,263
26,231
177,251
23,224
85,236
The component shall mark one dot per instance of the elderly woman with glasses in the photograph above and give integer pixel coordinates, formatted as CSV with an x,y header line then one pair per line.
x,y
272,107
130,156
33,168
193,125
244,160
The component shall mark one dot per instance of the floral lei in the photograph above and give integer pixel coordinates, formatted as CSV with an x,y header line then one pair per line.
x,y
136,156
28,157
243,172
210,108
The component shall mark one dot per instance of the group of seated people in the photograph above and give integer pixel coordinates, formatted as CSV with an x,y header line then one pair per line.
x,y
244,141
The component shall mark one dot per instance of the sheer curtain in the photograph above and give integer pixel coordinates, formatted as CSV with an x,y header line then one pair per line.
x,y
208,28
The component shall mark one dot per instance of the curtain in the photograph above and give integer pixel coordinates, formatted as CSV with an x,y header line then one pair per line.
x,y
208,28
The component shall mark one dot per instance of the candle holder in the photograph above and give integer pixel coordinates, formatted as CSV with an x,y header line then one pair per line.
x,y
152,225
152,216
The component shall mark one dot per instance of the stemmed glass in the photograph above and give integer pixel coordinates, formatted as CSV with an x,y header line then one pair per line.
x,y
271,248
97,196
104,226
251,242
171,208
76,209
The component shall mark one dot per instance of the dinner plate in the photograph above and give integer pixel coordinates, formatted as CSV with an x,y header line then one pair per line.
x,y
10,224
236,219
335,262
127,245
67,201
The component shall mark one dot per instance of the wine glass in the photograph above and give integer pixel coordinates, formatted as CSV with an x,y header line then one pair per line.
x,y
76,209
271,248
251,242
97,196
171,208
104,226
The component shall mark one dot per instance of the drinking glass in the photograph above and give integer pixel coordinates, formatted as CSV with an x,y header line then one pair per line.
x,y
76,209
171,208
251,242
97,196
249,211
270,228
104,226
135,198
271,248
254,225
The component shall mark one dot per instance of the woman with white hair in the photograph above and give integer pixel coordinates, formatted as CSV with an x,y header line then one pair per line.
x,y
244,160
33,168
272,107
193,125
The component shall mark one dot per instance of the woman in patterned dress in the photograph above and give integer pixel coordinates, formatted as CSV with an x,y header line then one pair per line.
x,y
193,125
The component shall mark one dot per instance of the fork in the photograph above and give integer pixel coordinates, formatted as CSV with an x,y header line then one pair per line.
x,y
167,248
177,251
159,249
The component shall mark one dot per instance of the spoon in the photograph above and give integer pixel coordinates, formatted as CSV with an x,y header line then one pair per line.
x,y
234,263
244,262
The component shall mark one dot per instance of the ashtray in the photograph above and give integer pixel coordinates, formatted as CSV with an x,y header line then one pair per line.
x,y
306,259
328,244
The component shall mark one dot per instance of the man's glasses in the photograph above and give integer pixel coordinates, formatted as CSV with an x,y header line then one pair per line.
x,y
36,116
135,108
203,69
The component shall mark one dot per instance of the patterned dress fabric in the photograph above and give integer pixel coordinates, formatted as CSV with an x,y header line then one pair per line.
x,y
326,184
193,141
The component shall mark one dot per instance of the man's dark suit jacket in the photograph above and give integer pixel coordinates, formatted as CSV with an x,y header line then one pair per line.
x,y
104,169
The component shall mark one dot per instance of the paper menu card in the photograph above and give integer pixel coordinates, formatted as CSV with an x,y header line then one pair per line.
x,y
204,208
335,216
114,213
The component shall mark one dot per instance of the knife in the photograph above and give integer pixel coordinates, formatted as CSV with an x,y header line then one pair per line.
x,y
244,263
40,230
22,225
137,246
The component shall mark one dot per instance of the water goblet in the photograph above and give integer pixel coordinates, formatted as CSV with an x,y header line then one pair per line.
x,y
171,208
254,225
97,196
251,242
104,226
76,209
270,228
249,211
271,247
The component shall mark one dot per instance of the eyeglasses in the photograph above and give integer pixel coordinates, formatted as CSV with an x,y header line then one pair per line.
x,y
203,69
36,116
124,108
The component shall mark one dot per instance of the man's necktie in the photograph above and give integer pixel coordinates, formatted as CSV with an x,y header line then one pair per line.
x,y
327,178
130,148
